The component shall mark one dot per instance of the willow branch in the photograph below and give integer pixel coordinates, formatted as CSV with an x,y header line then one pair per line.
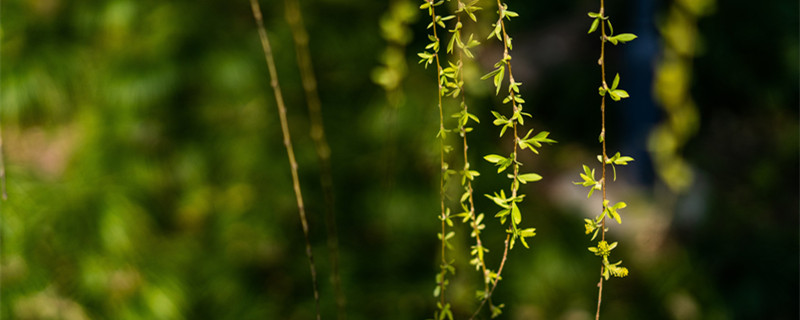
x,y
262,32
514,184
300,36
605,157
443,216
2,169
497,279
463,131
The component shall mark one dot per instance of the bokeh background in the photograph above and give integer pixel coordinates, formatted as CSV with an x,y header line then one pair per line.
x,y
147,178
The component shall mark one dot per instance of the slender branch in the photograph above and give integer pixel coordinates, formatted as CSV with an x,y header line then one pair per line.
x,y
602,63
3,193
514,183
300,36
287,142
472,215
497,279
443,216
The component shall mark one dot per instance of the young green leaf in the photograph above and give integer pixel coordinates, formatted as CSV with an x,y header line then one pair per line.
x,y
625,37
494,158
515,214
498,79
595,23
529,177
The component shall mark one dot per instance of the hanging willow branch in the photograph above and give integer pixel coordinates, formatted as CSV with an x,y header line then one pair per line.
x,y
598,224
509,205
287,141
2,169
300,35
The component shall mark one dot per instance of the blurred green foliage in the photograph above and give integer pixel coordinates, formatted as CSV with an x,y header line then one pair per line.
x,y
147,178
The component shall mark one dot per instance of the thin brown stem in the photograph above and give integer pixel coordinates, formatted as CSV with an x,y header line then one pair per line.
x,y
463,131
287,141
603,142
300,35
3,193
514,183
496,281
443,216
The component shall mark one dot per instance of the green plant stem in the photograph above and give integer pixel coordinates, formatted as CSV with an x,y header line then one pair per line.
x,y
2,169
514,183
472,215
300,35
602,63
494,285
287,141
443,216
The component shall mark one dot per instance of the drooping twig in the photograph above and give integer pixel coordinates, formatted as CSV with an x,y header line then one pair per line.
x,y
300,35
496,281
602,63
435,45
287,141
514,184
2,168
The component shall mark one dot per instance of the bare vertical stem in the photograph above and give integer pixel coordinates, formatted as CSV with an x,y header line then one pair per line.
x,y
287,141
443,215
2,169
603,132
300,36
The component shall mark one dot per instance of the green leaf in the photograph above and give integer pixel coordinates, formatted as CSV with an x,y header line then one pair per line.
x,y
529,232
496,310
542,137
623,160
490,74
589,181
615,83
524,243
529,177
500,161
494,158
612,211
473,117
495,32
622,94
595,23
515,214
615,269
625,37
614,95
502,214
498,79
451,42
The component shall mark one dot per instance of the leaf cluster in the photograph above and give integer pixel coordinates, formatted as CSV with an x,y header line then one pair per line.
x,y
609,269
598,225
616,94
620,38
617,159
